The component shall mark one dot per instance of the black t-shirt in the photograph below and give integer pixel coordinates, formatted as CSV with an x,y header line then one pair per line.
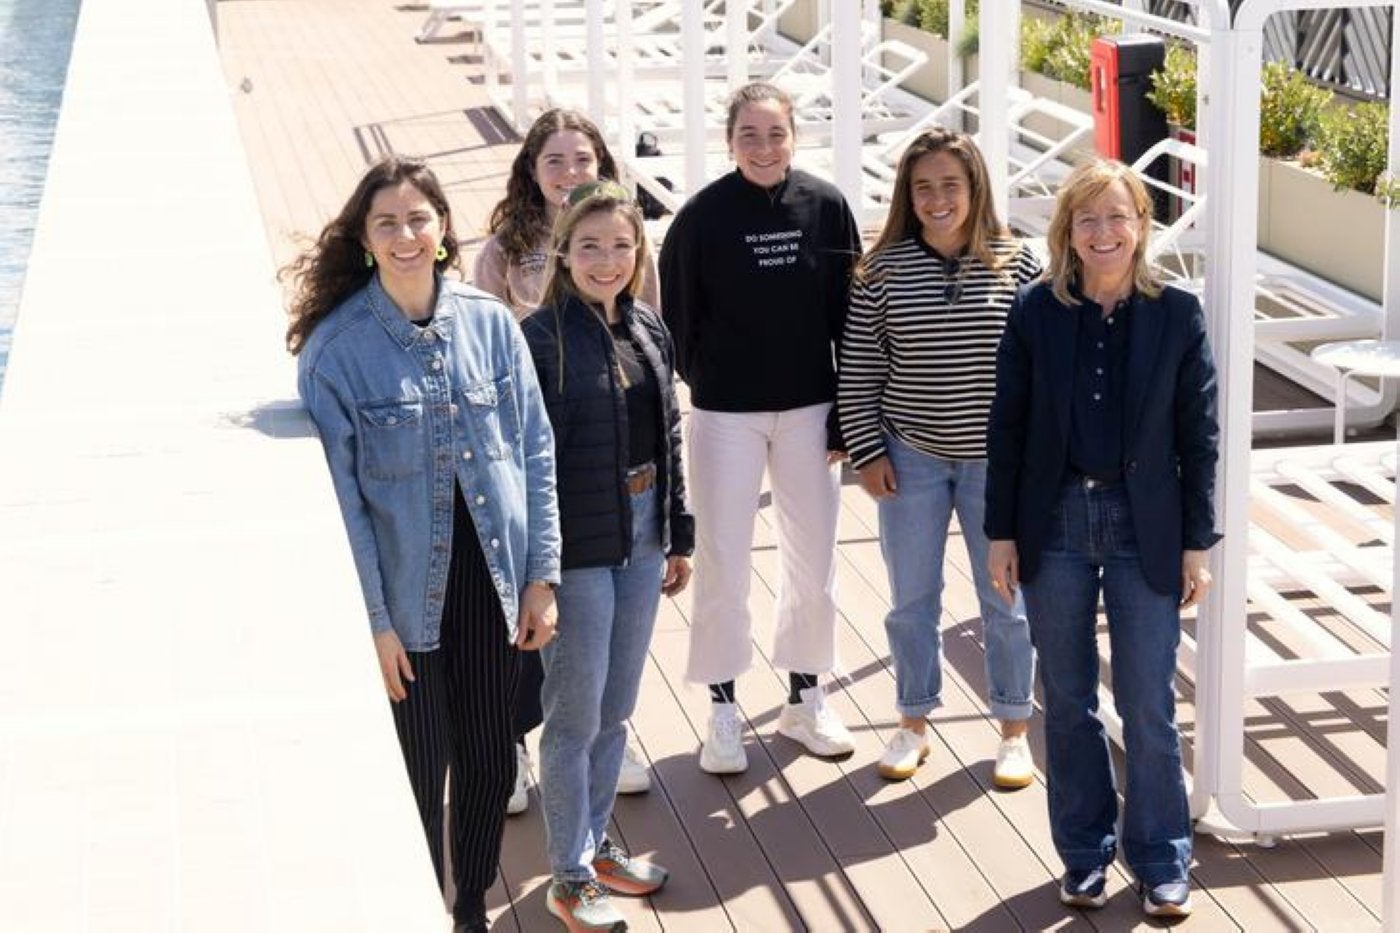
x,y
643,398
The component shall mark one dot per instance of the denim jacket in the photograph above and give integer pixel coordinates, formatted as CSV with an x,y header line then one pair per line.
x,y
403,413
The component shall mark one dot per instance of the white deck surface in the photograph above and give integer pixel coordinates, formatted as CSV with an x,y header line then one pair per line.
x,y
192,732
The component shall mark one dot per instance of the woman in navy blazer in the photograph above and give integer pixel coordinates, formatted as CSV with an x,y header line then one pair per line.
x,y
1102,446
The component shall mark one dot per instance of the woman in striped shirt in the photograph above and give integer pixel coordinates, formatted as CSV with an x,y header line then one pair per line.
x,y
917,376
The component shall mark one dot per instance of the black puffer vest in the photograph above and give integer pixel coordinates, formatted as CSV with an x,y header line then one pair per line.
x,y
587,406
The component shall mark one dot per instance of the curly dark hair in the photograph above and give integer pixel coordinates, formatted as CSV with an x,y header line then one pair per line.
x,y
521,218
334,268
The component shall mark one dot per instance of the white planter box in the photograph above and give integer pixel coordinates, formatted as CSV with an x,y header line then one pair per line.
x,y
1338,235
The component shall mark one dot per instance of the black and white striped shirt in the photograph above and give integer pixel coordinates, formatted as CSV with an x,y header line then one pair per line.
x,y
918,366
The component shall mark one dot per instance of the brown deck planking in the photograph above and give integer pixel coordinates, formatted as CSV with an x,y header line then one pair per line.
x,y
333,80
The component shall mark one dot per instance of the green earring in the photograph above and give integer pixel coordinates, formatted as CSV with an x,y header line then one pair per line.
x,y
441,253
369,260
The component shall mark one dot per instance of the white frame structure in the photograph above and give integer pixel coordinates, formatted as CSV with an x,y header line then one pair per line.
x,y
1226,675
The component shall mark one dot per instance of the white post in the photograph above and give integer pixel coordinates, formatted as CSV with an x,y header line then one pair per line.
x,y
846,85
597,64
519,65
1215,16
996,19
1232,233
626,136
551,58
693,92
1390,883
1390,843
957,26
736,25
1390,289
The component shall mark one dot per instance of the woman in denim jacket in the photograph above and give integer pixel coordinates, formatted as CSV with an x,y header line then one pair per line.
x,y
443,464
604,364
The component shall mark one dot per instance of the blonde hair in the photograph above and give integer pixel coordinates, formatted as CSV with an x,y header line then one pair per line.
x,y
586,200
1086,184
982,225
594,197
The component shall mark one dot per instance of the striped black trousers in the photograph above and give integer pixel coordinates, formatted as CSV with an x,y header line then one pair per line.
x,y
458,718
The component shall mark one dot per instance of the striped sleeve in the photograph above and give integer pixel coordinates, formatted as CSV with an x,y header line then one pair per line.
x,y
863,370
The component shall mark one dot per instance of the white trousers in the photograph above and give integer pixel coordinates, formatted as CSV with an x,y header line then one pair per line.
x,y
728,452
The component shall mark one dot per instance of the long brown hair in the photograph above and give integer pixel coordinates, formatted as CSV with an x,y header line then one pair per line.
x,y
521,218
334,268
1086,183
983,224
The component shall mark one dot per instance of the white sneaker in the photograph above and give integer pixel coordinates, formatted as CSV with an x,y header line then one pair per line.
x,y
902,757
815,725
723,751
520,797
634,777
1014,768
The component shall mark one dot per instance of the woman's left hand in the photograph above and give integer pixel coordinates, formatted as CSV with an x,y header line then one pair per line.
x,y
836,456
677,575
1195,578
536,624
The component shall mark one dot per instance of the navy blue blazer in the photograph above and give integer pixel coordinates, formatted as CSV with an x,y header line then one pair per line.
x,y
1170,432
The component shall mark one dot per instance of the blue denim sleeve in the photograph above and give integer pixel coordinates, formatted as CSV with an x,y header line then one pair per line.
x,y
542,560
336,426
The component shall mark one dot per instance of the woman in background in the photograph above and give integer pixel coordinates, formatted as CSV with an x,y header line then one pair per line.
x,y
1101,474
917,374
562,150
424,396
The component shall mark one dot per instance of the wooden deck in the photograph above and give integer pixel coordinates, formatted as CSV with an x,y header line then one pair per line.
x,y
321,87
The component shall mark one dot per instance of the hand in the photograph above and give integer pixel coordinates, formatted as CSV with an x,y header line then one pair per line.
x,y
1195,578
1004,566
535,626
393,664
877,478
836,456
677,575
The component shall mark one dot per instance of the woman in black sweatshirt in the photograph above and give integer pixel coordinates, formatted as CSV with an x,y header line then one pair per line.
x,y
755,272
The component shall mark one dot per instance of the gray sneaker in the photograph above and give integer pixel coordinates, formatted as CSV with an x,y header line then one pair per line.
x,y
583,906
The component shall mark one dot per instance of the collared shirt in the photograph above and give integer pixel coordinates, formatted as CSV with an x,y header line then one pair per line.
x,y
406,412
1096,412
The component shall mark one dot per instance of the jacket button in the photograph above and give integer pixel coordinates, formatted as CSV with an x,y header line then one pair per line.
x,y
480,500
495,542
466,455
437,364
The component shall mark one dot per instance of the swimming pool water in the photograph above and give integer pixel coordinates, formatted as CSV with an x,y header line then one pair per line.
x,y
36,37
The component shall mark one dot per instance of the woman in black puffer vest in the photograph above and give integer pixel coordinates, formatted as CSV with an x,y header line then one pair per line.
x,y
605,367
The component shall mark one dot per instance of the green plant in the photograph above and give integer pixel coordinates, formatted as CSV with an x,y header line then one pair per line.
x,y
971,39
1353,144
1388,190
1174,87
1060,48
1036,43
907,12
931,15
1290,107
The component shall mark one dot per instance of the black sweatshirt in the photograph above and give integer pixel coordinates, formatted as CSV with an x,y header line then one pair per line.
x,y
754,287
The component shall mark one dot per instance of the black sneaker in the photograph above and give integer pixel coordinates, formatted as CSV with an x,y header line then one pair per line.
x,y
1166,898
1083,887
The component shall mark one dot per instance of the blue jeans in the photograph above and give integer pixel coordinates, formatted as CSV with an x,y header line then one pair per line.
x,y
592,672
1091,546
913,535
